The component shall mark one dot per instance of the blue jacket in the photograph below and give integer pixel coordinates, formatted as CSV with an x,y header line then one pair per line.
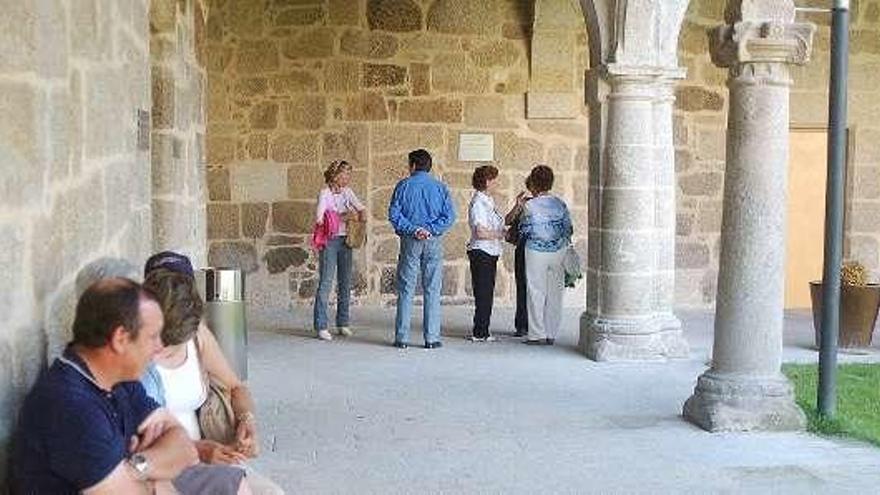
x,y
420,200
545,224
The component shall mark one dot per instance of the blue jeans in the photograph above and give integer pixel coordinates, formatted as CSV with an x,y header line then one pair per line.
x,y
334,261
425,257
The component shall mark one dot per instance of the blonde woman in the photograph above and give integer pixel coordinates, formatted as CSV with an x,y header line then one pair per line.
x,y
334,259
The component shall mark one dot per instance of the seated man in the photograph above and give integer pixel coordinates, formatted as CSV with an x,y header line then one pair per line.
x,y
87,425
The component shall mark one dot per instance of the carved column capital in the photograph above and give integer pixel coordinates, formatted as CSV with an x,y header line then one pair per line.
x,y
761,42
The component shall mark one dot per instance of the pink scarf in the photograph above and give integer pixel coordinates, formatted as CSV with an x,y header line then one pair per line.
x,y
325,231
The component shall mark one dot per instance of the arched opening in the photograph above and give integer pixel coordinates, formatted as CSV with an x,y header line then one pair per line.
x,y
293,87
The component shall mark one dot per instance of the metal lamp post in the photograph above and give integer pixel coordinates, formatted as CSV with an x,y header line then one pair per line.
x,y
837,120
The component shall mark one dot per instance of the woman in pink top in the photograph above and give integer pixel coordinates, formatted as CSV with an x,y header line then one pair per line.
x,y
335,258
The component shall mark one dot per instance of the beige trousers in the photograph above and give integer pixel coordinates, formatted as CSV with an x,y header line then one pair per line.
x,y
545,278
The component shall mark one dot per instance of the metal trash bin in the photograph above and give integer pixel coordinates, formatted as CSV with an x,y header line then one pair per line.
x,y
225,314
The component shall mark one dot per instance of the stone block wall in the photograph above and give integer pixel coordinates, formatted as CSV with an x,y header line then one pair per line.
x,y
74,179
699,128
700,125
179,78
295,85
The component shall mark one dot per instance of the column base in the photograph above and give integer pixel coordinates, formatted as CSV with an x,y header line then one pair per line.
x,y
651,339
729,402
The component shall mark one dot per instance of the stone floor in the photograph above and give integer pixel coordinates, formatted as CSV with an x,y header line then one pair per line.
x,y
358,416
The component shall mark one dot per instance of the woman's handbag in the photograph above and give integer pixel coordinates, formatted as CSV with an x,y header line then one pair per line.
x,y
571,264
511,235
216,416
356,231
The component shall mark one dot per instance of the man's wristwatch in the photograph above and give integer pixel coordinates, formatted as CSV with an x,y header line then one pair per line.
x,y
139,463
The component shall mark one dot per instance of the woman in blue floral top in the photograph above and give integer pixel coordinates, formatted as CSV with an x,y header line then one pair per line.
x,y
546,227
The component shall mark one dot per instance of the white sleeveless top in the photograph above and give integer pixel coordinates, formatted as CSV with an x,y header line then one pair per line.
x,y
184,390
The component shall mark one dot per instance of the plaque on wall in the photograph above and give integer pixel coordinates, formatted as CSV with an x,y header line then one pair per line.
x,y
143,129
476,147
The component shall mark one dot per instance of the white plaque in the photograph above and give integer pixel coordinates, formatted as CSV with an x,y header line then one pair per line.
x,y
476,147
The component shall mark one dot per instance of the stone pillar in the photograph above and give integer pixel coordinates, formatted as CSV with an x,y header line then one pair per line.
x,y
745,389
597,96
664,215
178,129
621,321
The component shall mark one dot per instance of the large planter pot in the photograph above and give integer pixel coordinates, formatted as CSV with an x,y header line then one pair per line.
x,y
858,313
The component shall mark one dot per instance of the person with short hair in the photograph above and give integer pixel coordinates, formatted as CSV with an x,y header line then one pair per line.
x,y
421,211
484,248
521,318
335,258
87,425
547,230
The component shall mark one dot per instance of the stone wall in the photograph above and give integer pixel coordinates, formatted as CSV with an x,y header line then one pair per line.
x,y
699,131
700,139
295,85
74,178
177,48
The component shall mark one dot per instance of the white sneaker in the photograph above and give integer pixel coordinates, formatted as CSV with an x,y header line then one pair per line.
x,y
490,338
344,331
475,339
324,335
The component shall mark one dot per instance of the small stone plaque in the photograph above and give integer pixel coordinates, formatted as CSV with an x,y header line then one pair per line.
x,y
143,130
476,147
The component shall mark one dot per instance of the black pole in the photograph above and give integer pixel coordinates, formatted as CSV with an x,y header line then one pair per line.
x,y
827,398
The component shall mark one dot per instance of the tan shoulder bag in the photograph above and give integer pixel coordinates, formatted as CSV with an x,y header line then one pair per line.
x,y
356,231
216,416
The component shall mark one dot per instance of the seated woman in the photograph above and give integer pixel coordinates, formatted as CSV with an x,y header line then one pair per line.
x,y
179,377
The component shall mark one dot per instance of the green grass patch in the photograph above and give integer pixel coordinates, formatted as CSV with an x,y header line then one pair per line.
x,y
858,400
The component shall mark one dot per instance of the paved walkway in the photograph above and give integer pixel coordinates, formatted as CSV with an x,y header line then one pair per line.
x,y
358,416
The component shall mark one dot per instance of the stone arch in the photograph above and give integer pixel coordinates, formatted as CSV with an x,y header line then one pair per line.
x,y
596,17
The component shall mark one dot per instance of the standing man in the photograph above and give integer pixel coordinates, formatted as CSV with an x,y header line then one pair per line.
x,y
421,211
88,425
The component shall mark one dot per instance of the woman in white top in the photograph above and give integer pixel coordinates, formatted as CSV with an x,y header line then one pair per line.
x,y
190,354
334,259
484,248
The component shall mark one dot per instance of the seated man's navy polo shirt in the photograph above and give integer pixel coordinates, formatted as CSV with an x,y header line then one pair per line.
x,y
71,433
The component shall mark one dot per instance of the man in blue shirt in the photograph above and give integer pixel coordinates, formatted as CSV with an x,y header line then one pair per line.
x,y
421,211
87,424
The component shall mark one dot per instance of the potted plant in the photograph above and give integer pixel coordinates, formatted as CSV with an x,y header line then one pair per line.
x,y
859,302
